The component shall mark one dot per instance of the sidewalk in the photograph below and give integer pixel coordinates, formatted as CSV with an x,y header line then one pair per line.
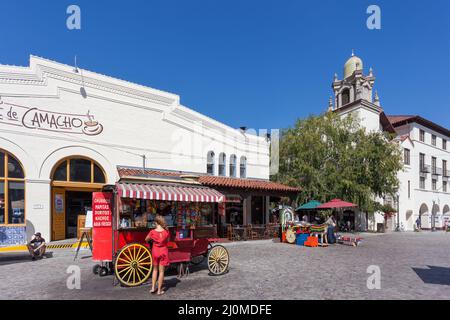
x,y
61,244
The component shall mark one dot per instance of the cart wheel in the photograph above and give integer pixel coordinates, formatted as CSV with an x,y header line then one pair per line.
x,y
133,265
103,271
96,269
218,260
290,236
197,260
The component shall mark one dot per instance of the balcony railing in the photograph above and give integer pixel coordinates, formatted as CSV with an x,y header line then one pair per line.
x,y
436,171
446,173
425,168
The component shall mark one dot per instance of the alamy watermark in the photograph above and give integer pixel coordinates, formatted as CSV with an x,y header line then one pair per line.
x,y
73,21
228,150
374,20
374,280
74,279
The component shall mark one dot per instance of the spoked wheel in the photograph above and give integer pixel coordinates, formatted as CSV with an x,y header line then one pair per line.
x,y
133,265
218,260
290,236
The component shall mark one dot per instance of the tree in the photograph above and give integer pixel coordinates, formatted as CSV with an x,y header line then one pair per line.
x,y
330,156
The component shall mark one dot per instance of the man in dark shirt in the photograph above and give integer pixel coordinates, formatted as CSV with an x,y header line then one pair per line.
x,y
36,246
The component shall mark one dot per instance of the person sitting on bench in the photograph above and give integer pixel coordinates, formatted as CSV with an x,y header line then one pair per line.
x,y
36,246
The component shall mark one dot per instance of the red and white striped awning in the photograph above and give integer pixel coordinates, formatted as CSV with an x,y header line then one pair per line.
x,y
169,193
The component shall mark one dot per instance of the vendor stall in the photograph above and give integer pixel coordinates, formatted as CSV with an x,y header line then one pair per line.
x,y
124,214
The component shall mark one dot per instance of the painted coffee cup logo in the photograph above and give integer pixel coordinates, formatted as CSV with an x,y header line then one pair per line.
x,y
34,118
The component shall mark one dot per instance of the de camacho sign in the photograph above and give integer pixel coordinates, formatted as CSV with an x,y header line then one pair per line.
x,y
35,118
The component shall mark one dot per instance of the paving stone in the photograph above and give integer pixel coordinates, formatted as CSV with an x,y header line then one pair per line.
x,y
260,270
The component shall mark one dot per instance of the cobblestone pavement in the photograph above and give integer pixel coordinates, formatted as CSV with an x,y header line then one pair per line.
x,y
413,266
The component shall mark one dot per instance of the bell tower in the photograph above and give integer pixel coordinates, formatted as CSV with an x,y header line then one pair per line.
x,y
355,85
354,94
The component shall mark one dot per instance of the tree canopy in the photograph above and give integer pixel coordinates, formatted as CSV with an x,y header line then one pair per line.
x,y
330,156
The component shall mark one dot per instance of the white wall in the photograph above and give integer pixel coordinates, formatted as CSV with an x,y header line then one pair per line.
x,y
136,121
410,206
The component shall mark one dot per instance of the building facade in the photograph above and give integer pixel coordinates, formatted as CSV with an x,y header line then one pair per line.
x,y
65,131
424,193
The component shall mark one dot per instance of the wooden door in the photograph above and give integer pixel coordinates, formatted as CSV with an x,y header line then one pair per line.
x,y
58,214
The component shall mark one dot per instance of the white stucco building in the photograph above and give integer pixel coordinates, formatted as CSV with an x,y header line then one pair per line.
x,y
424,192
65,131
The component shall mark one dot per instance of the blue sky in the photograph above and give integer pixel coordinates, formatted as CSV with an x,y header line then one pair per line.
x,y
259,64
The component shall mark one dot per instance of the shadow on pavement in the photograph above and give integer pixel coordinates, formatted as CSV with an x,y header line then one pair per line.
x,y
434,275
20,257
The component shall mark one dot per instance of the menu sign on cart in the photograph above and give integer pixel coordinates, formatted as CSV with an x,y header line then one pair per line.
x,y
102,209
102,226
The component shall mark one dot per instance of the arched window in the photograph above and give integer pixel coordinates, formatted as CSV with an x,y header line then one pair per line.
x,y
243,167
210,162
79,170
233,165
345,96
12,190
222,164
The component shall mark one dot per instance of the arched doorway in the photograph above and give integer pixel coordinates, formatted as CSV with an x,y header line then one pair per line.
x,y
73,181
424,216
446,216
435,217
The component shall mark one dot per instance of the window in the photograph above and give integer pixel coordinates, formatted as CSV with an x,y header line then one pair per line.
x,y
422,183
444,186
409,189
233,165
434,184
444,168
433,165
422,135
222,164
243,167
79,170
12,190
422,162
407,157
444,144
345,96
433,140
210,162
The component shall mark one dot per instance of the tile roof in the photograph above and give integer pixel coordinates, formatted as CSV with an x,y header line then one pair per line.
x,y
396,119
400,120
253,184
135,172
210,181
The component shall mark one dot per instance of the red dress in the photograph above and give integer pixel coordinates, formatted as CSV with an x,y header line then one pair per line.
x,y
160,251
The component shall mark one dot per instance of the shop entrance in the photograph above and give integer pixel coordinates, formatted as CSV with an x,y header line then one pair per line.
x,y
73,181
69,211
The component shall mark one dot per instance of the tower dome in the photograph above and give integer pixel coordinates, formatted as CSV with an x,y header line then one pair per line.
x,y
352,64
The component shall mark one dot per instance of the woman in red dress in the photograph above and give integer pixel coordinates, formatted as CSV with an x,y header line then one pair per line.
x,y
160,252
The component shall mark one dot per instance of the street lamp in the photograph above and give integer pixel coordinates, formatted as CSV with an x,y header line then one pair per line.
x,y
398,212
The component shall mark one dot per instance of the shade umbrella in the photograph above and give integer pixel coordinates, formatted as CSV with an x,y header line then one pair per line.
x,y
308,207
338,204
311,205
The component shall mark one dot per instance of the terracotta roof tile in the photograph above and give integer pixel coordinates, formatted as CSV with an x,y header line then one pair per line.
x,y
400,120
396,119
211,181
134,172
253,184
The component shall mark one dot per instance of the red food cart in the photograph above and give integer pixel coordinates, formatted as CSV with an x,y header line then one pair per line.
x,y
123,215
